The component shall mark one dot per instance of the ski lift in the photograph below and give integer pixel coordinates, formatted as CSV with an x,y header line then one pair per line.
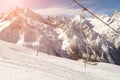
x,y
81,14
96,16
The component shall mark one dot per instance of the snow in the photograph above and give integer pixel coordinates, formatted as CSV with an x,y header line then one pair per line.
x,y
112,20
4,24
20,63
31,30
79,40
58,36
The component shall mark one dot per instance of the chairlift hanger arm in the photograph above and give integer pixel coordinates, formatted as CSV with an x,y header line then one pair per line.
x,y
95,16
81,5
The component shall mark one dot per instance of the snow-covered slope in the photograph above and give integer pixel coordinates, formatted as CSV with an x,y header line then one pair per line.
x,y
20,63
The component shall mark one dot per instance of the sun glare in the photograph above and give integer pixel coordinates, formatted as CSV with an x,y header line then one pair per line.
x,y
14,3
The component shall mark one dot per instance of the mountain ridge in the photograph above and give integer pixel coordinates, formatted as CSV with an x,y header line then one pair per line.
x,y
58,36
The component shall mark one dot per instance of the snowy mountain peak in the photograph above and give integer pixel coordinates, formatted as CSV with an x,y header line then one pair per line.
x,y
102,16
16,11
23,12
13,13
116,13
76,18
114,22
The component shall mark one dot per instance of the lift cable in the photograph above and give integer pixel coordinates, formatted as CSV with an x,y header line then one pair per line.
x,y
95,16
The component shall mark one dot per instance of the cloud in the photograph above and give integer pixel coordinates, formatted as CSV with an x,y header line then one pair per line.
x,y
71,9
60,11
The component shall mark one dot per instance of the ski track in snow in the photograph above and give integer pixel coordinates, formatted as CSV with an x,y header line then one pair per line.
x,y
20,63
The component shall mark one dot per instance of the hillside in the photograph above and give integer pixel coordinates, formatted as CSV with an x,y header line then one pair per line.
x,y
17,62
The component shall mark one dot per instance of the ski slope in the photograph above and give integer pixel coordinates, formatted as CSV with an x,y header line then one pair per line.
x,y
20,63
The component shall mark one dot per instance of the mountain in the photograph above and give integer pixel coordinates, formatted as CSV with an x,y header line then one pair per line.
x,y
114,22
27,28
57,36
21,63
81,41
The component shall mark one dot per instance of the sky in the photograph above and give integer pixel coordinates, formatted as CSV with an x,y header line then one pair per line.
x,y
62,7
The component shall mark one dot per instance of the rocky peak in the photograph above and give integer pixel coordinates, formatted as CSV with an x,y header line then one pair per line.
x,y
24,12
116,14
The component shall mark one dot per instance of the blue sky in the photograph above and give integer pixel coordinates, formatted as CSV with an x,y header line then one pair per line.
x,y
60,7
